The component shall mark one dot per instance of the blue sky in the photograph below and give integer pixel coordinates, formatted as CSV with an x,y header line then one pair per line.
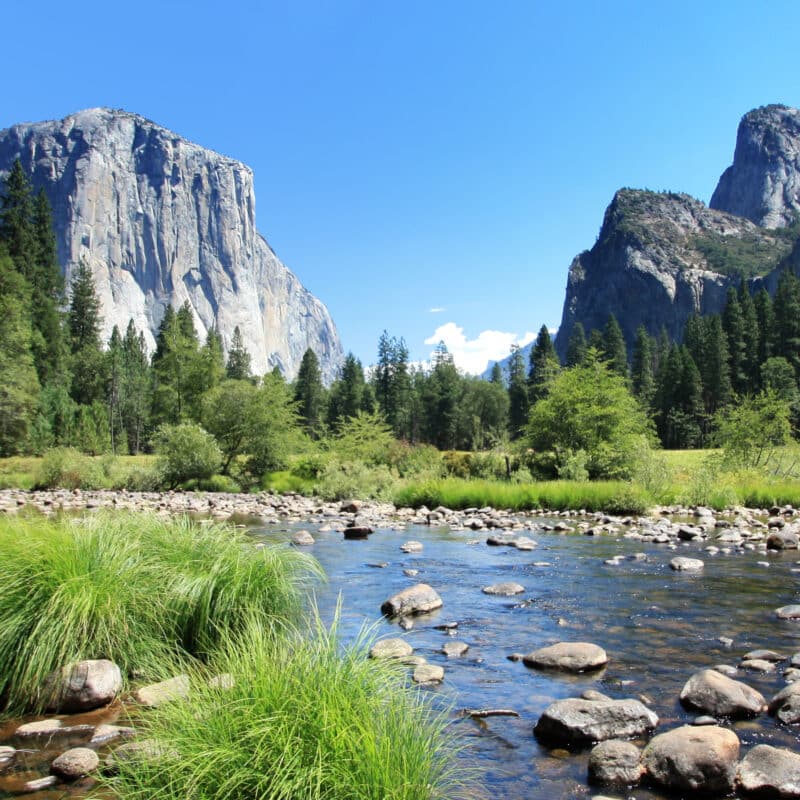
x,y
430,168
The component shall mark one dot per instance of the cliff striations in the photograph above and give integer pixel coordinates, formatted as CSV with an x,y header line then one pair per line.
x,y
160,221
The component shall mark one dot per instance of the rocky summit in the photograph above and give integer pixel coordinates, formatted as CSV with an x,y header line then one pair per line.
x,y
163,221
661,257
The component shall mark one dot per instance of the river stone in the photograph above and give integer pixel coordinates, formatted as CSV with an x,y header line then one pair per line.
x,y
788,612
782,540
144,750
108,733
156,694
580,722
726,669
763,655
391,648
786,704
757,665
38,784
411,547
716,694
7,757
75,763
684,564
42,727
413,600
568,656
693,759
506,589
84,685
615,762
770,772
454,649
357,532
524,543
428,673
302,539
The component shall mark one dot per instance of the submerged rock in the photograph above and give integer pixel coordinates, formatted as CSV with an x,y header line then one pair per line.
x,y
506,589
413,600
568,656
716,694
580,722
697,759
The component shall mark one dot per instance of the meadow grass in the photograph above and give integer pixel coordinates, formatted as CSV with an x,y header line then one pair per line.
x,y
458,493
139,590
303,718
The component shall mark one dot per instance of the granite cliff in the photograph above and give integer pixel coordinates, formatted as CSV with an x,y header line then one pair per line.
x,y
661,257
161,221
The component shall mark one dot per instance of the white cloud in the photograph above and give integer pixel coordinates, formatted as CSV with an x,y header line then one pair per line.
x,y
436,310
473,355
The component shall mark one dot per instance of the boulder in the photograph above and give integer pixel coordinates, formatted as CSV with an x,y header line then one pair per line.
x,y
411,547
788,612
770,772
782,540
684,564
391,648
616,763
156,694
786,704
84,685
357,532
302,539
428,673
568,656
580,722
506,589
454,649
695,759
413,600
75,763
720,696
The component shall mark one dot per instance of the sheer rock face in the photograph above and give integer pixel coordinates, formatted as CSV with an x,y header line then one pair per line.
x,y
160,221
763,183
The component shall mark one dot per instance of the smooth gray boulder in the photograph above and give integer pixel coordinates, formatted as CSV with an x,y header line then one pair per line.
x,y
769,772
782,540
415,599
75,763
615,763
696,759
506,589
568,656
684,564
788,612
302,539
721,696
391,648
428,673
785,705
84,685
579,722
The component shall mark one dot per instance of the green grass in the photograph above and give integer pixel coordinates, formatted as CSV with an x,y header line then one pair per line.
x,y
457,493
304,718
136,589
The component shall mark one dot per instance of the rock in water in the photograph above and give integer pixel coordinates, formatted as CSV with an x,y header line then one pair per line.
x,y
84,685
770,772
716,694
391,648
161,221
615,762
568,656
693,759
414,600
75,763
580,722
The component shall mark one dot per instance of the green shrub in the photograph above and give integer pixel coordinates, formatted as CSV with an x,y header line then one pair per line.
x,y
186,452
217,483
417,461
491,466
303,719
457,464
66,468
136,589
283,482
355,479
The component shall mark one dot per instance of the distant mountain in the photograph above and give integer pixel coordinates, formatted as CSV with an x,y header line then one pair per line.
x,y
661,257
161,221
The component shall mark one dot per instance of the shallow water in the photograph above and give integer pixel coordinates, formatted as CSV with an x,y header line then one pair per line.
x,y
657,626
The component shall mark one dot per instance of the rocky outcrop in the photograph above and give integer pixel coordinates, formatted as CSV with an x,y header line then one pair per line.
x,y
163,221
763,183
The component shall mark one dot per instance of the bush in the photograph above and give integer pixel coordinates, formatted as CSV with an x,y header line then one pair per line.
x,y
417,461
355,479
186,452
66,468
216,483
136,589
303,719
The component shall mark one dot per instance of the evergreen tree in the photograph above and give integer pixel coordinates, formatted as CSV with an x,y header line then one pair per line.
x,y
517,393
393,385
88,378
679,400
751,338
596,342
715,373
136,388
440,399
347,394
212,361
733,325
238,366
613,348
114,386
577,346
497,374
543,366
309,393
482,414
16,222
642,369
765,317
786,320
19,387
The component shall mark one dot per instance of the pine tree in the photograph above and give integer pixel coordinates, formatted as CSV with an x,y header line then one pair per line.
x,y
88,378
576,346
733,325
114,386
136,388
642,370
517,394
715,373
786,324
238,366
596,342
543,366
440,397
309,393
497,373
751,338
393,386
613,347
347,394
212,361
16,222
765,317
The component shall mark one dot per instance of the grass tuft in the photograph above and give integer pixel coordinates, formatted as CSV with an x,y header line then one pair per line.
x,y
304,718
139,590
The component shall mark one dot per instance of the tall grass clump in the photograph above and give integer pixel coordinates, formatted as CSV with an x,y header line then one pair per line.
x,y
138,590
302,718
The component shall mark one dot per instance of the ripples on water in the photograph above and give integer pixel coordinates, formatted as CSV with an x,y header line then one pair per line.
x,y
657,626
